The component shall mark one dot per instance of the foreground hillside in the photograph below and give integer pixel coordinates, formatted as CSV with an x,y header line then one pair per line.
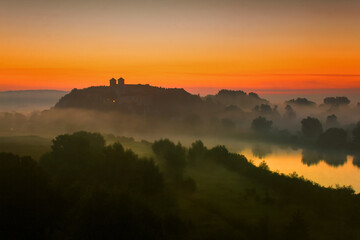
x,y
85,189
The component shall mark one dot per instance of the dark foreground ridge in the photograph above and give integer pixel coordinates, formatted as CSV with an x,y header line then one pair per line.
x,y
84,188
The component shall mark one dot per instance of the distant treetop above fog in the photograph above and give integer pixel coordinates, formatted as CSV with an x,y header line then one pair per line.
x,y
265,109
336,101
225,92
237,98
234,93
301,102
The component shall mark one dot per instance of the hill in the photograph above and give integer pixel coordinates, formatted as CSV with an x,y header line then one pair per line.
x,y
140,99
150,100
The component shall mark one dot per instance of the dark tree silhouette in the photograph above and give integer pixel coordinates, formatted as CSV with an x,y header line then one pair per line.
x,y
112,193
289,112
197,151
254,95
301,102
336,101
78,146
261,125
333,138
231,108
356,133
173,158
356,161
310,157
311,127
29,208
261,151
332,121
265,109
225,92
73,156
334,158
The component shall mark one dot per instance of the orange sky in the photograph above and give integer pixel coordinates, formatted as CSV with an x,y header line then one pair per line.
x,y
221,44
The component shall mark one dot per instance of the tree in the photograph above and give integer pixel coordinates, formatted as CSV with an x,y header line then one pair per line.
x,y
336,101
289,112
265,109
261,125
332,121
78,146
29,208
173,158
333,138
311,127
253,95
356,133
334,158
356,161
225,92
261,151
173,161
72,156
310,157
301,102
196,151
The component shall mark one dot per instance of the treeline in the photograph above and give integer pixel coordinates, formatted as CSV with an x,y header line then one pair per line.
x,y
313,134
85,189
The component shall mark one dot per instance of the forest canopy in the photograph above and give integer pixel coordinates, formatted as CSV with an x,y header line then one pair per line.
x,y
85,188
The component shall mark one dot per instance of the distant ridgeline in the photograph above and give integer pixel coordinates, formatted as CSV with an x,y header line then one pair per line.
x,y
236,99
146,99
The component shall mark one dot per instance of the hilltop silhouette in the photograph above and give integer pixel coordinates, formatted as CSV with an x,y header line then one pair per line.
x,y
146,99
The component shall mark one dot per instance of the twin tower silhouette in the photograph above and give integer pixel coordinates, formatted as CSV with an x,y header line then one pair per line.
x,y
120,82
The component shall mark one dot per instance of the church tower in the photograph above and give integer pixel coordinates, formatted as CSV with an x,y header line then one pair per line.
x,y
121,82
113,82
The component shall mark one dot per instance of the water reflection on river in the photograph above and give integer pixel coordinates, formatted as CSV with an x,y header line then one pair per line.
x,y
326,168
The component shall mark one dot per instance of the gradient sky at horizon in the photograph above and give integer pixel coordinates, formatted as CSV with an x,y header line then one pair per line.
x,y
264,45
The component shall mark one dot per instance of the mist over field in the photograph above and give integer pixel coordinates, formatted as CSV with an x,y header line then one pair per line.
x,y
224,114
29,100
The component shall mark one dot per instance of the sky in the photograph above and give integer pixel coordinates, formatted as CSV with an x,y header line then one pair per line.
x,y
266,46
